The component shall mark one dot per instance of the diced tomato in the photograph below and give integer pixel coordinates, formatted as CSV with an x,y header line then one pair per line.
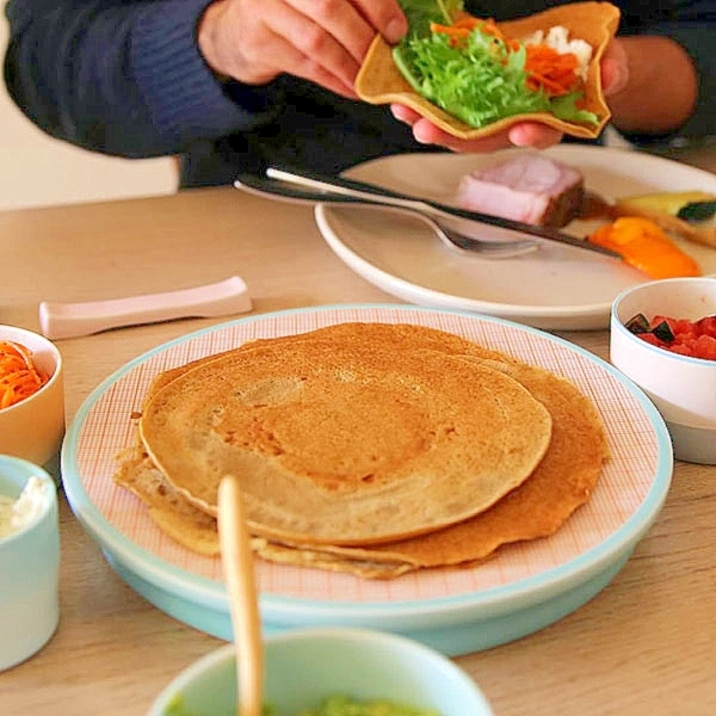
x,y
707,326
696,339
651,338
705,347
682,327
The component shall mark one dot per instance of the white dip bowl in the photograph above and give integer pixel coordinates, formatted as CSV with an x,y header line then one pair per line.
x,y
29,560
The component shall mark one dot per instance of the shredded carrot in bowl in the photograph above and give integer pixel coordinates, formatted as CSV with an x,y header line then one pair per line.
x,y
19,376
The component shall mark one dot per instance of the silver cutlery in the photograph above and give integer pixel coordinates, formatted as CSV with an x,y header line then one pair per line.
x,y
449,235
454,217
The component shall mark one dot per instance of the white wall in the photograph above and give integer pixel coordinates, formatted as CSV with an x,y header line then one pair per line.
x,y
37,170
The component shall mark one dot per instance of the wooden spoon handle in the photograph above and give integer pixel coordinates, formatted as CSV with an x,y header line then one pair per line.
x,y
238,564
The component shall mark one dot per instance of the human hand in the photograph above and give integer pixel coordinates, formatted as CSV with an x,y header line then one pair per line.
x,y
526,134
614,68
323,42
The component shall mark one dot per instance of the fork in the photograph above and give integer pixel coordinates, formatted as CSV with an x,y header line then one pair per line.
x,y
467,221
451,237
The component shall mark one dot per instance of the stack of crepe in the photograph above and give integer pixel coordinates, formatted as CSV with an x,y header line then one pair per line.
x,y
370,448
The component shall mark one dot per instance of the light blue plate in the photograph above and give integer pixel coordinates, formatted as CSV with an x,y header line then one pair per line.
x,y
522,589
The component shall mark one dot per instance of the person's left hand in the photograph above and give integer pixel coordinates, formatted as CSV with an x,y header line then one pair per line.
x,y
615,75
527,134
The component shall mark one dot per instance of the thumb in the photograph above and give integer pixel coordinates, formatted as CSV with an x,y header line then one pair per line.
x,y
614,69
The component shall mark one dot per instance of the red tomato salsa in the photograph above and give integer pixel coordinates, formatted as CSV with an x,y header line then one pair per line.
x,y
696,339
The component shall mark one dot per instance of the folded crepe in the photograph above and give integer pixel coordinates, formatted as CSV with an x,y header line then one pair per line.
x,y
563,480
379,80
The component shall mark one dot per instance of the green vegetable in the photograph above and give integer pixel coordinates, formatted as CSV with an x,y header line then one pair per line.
x,y
697,211
337,705
341,705
480,81
177,707
421,13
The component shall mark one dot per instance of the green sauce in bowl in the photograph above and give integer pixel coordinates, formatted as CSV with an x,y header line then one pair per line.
x,y
339,705
345,706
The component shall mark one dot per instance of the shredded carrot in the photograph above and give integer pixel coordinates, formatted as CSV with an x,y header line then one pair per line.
x,y
19,376
645,246
456,34
553,72
464,19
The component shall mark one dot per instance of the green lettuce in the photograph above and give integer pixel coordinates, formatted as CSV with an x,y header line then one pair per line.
x,y
421,13
479,82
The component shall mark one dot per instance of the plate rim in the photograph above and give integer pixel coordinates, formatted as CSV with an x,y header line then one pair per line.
x,y
495,600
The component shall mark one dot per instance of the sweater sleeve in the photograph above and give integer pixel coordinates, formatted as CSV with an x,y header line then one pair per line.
x,y
123,77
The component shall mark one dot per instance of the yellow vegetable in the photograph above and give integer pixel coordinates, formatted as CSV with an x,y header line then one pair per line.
x,y
665,202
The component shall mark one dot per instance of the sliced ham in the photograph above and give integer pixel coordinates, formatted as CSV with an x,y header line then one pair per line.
x,y
531,188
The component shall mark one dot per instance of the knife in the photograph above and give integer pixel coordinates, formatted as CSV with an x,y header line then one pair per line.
x,y
363,190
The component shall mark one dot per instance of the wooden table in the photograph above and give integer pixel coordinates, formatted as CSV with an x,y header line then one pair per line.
x,y
645,645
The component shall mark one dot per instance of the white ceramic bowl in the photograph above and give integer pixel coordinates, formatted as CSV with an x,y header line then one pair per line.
x,y
682,388
33,428
29,566
305,666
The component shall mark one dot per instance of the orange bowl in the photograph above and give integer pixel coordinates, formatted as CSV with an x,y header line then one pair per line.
x,y
33,428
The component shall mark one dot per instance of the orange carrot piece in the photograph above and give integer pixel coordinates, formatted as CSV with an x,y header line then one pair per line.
x,y
19,377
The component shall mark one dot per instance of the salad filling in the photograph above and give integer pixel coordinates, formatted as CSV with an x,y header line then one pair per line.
x,y
470,69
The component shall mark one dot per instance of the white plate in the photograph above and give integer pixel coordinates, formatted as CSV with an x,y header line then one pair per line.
x,y
557,287
523,588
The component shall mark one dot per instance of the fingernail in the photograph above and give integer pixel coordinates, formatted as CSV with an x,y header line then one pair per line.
x,y
395,30
614,79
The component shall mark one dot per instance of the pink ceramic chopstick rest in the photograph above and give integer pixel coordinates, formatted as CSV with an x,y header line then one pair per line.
x,y
69,320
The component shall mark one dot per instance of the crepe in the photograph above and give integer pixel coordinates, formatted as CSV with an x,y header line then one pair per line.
x,y
563,480
379,81
342,441
167,507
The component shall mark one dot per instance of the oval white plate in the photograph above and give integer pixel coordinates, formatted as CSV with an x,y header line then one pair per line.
x,y
522,589
557,287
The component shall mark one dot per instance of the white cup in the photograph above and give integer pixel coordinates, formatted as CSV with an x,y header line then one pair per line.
x,y
29,565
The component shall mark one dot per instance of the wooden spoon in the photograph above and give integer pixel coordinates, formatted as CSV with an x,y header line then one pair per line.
x,y
237,560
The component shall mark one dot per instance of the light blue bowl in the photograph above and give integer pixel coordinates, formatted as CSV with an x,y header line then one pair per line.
x,y
304,666
29,569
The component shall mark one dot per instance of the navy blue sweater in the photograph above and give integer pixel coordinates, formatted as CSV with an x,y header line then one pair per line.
x,y
125,77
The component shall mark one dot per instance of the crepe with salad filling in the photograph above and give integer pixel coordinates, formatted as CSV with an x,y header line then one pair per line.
x,y
473,77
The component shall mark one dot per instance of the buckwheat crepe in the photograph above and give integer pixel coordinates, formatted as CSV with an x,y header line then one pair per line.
x,y
380,82
341,442
563,480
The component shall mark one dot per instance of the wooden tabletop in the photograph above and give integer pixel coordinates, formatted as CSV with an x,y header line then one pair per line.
x,y
645,645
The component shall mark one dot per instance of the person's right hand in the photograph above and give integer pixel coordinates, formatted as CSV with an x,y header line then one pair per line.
x,y
324,42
